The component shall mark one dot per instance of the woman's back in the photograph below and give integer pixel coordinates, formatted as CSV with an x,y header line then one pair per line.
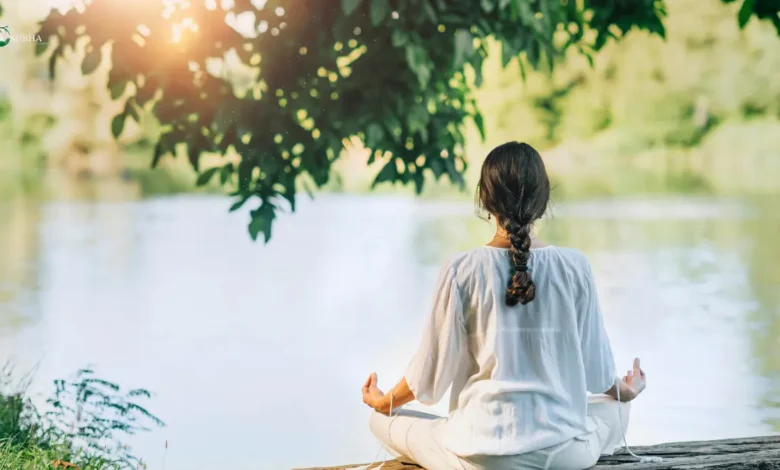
x,y
520,373
516,331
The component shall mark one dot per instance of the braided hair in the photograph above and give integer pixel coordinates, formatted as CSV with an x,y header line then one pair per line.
x,y
514,187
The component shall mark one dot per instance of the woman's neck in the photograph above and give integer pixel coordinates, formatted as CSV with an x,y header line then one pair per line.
x,y
501,239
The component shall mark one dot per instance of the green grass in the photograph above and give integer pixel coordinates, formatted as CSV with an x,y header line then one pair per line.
x,y
83,425
32,457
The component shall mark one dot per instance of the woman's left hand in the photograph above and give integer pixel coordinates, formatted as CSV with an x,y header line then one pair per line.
x,y
372,396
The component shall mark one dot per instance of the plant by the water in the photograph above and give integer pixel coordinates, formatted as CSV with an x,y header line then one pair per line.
x,y
84,425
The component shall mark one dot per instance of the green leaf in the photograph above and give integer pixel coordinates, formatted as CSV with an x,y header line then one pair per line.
x,y
388,173
480,123
464,47
419,63
399,38
776,22
508,52
205,177
230,138
193,153
289,193
91,61
424,135
745,12
131,110
392,124
452,171
488,5
159,151
533,53
262,219
436,166
374,135
431,12
118,89
307,187
53,60
417,119
526,13
477,64
224,175
245,175
348,6
256,226
118,124
145,94
659,28
41,48
379,10
419,181
589,58
238,204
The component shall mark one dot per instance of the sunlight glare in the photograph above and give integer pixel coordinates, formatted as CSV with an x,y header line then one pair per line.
x,y
243,23
186,25
144,30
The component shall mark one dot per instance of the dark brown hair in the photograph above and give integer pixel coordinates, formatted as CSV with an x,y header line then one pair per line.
x,y
514,187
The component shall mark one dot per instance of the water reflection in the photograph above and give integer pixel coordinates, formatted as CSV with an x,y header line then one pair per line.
x,y
257,353
19,250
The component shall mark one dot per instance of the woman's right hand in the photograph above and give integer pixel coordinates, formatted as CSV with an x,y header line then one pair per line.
x,y
635,379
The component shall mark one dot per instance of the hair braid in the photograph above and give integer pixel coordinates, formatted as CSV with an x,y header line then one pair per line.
x,y
514,187
521,287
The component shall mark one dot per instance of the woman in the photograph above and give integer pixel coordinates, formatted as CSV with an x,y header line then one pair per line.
x,y
516,331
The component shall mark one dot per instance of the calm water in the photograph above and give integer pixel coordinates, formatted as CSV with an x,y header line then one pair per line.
x,y
257,354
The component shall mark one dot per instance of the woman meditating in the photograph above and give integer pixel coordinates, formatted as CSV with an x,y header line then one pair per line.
x,y
517,332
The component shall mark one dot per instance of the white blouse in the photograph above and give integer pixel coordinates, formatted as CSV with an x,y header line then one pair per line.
x,y
519,375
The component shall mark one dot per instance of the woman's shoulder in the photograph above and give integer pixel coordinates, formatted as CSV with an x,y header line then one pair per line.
x,y
571,259
458,261
476,259
567,263
569,254
465,263
478,255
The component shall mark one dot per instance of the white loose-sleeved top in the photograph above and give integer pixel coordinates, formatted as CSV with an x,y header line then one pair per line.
x,y
519,375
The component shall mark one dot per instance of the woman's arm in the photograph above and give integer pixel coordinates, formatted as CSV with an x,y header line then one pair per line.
x,y
373,397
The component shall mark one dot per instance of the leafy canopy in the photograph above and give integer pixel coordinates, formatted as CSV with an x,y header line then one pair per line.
x,y
392,72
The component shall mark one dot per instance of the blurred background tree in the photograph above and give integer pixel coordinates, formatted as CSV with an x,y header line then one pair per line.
x,y
277,86
263,96
694,112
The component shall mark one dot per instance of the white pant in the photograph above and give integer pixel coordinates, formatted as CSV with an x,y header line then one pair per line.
x,y
415,436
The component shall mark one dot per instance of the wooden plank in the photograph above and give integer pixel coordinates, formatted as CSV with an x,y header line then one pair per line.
x,y
745,453
728,454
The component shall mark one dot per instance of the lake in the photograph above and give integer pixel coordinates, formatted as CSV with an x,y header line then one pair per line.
x,y
257,353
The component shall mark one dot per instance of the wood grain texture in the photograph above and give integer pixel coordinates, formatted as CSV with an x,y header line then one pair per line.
x,y
733,454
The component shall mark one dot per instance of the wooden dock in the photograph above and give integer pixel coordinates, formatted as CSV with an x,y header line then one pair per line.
x,y
735,454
